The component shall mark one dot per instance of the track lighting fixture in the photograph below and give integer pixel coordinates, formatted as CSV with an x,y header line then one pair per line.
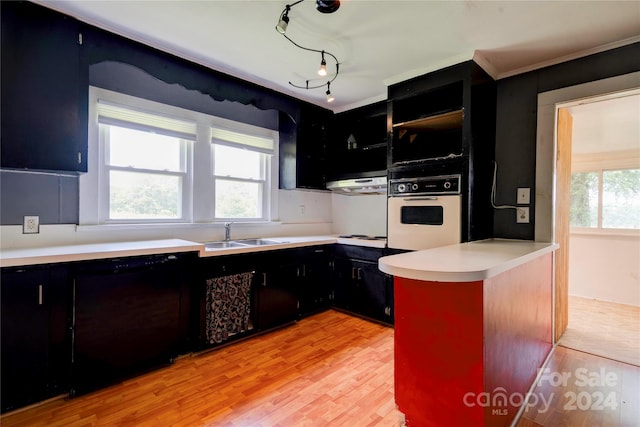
x,y
284,21
324,6
327,6
330,97
322,71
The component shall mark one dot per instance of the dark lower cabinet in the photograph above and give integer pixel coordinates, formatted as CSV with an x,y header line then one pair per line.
x,y
360,287
35,355
130,317
276,304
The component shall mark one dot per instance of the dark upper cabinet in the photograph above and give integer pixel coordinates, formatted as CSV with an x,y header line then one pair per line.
x,y
357,145
44,93
444,123
303,148
36,353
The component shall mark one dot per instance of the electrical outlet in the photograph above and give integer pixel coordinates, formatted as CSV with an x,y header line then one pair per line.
x,y
524,196
522,215
31,224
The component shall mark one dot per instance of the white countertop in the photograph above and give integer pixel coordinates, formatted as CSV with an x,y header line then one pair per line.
x,y
70,253
465,262
53,254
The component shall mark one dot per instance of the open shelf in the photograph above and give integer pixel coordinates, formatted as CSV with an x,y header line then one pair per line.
x,y
439,122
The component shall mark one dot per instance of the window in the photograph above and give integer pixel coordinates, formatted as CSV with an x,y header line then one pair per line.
x,y
607,199
154,163
240,171
145,164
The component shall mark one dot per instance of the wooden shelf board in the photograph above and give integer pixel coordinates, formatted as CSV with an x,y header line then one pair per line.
x,y
444,121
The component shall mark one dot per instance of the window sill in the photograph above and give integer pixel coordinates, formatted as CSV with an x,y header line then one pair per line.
x,y
604,232
171,225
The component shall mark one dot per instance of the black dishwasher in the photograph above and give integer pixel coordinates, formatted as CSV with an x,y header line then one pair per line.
x,y
131,315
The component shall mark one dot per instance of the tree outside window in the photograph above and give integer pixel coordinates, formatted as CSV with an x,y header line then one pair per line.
x,y
606,199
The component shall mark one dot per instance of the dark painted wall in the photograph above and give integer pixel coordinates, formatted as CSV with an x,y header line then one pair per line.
x,y
53,198
516,121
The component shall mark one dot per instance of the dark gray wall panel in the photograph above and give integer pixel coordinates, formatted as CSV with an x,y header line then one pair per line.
x,y
69,200
53,198
517,120
125,78
515,152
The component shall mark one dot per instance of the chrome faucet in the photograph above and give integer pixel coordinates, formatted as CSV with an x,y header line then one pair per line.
x,y
227,231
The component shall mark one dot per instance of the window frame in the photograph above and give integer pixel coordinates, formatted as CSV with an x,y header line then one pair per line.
x,y
265,166
198,183
600,163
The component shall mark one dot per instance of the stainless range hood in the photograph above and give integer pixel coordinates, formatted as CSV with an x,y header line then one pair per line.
x,y
359,186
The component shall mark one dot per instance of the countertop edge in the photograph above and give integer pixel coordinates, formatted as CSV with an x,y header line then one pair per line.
x,y
95,251
444,274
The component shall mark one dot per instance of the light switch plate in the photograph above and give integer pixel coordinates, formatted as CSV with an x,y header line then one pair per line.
x,y
31,224
524,196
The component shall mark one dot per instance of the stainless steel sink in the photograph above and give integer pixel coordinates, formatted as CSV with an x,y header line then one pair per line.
x,y
244,243
259,242
224,245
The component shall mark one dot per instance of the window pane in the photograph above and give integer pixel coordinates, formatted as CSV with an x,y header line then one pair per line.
x,y
236,162
146,150
621,199
238,199
584,199
144,196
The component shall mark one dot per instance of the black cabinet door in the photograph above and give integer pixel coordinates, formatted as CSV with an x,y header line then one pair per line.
x,y
35,357
357,145
345,285
360,287
44,94
371,287
277,303
314,284
303,149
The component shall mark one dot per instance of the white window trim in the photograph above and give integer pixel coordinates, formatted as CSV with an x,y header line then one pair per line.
x,y
199,207
599,229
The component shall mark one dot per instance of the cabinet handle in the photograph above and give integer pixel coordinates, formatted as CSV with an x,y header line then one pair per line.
x,y
79,157
264,279
39,294
359,271
353,273
304,270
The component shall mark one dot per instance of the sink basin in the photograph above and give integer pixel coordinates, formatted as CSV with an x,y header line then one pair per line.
x,y
259,242
224,245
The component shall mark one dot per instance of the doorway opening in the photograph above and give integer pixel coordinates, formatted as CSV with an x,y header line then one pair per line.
x,y
597,224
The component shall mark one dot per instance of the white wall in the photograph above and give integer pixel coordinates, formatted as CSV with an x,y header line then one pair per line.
x,y
360,214
300,213
605,267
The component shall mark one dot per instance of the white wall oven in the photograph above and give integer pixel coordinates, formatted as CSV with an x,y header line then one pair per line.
x,y
424,212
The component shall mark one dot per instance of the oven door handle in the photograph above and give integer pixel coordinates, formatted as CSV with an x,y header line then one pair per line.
x,y
417,199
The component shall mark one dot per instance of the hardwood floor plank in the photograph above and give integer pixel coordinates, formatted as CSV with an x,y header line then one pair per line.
x,y
604,329
581,398
326,369
331,369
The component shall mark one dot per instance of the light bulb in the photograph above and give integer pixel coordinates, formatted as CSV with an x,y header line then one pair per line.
x,y
322,71
330,97
282,24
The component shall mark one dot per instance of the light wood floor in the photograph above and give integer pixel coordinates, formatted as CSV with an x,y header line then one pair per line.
x,y
603,328
329,370
576,402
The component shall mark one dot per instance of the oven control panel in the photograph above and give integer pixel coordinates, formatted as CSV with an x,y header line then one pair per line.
x,y
445,184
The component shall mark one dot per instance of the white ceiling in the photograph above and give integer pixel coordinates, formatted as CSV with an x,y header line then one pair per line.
x,y
606,125
377,42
